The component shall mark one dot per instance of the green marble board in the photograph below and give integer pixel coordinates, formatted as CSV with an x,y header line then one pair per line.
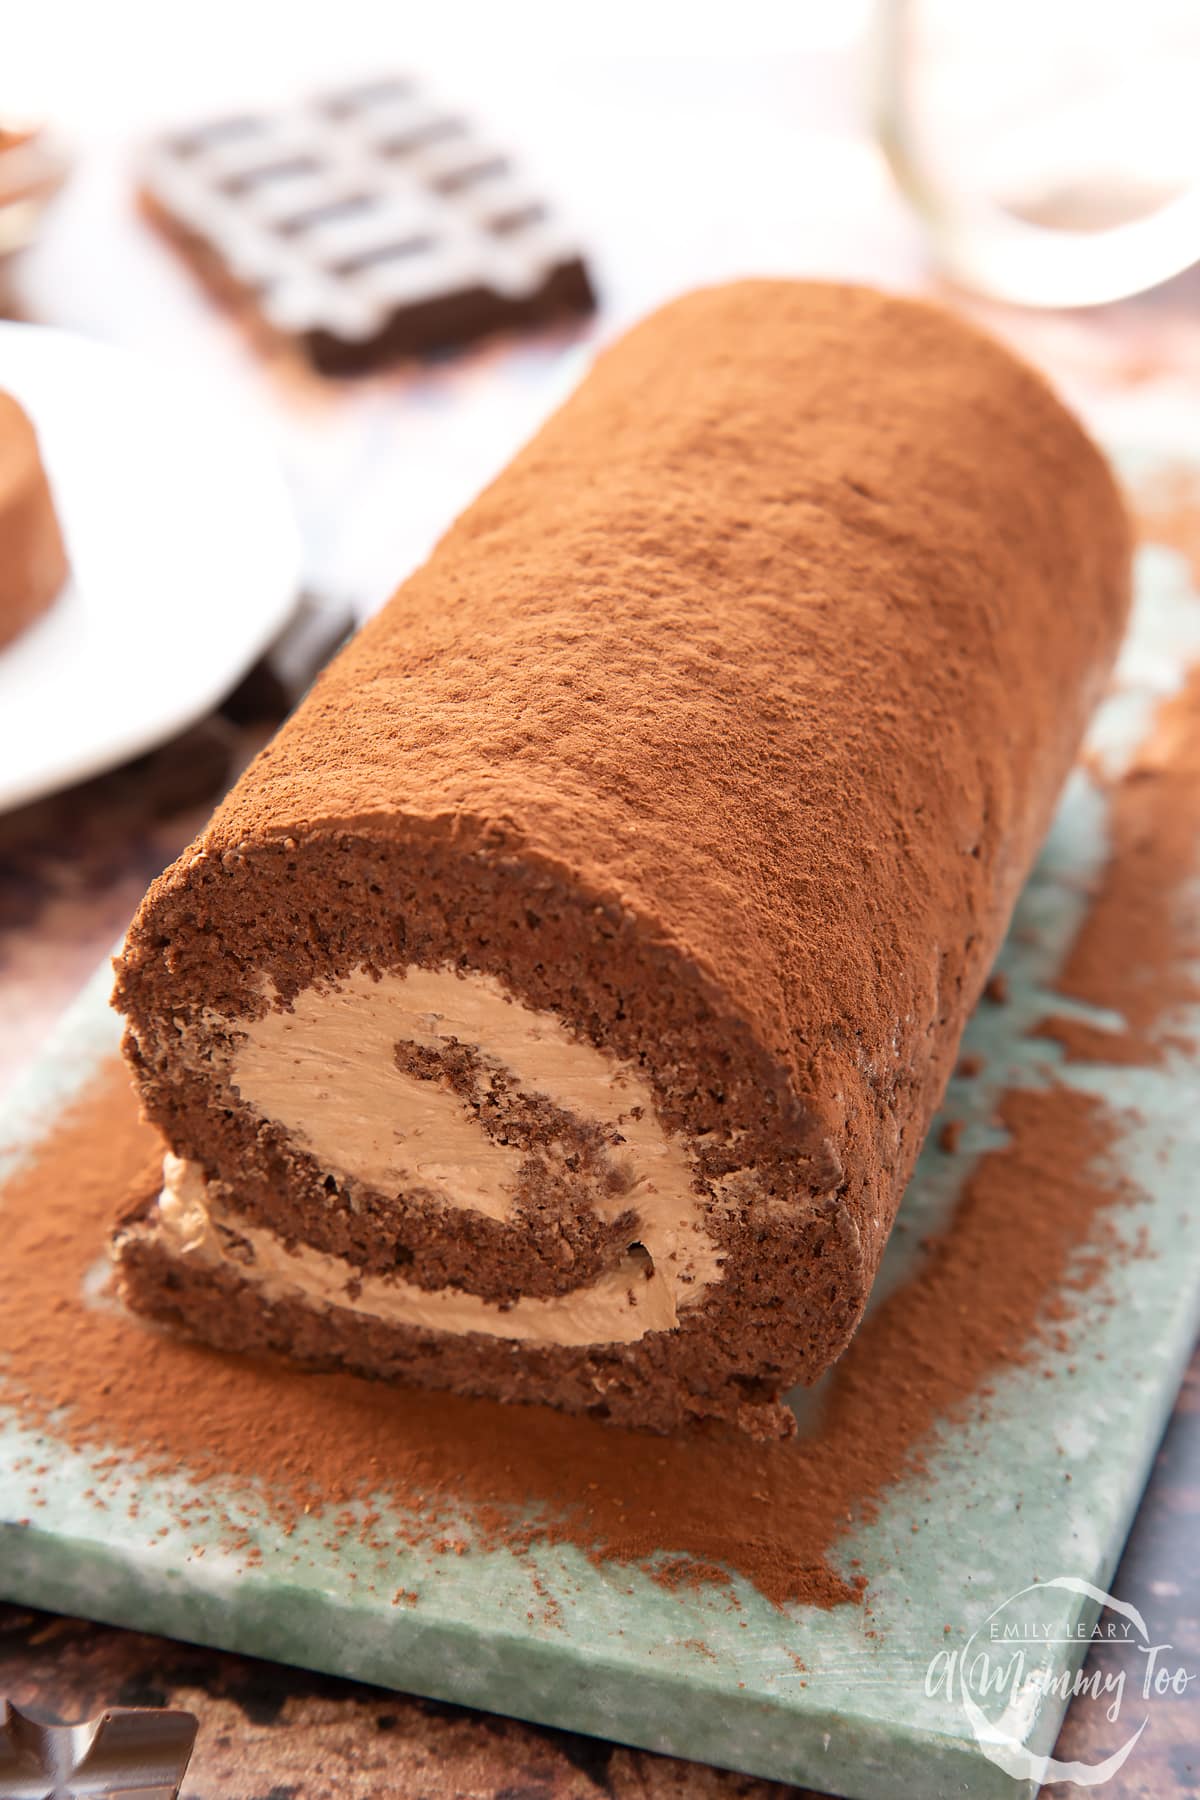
x,y
620,1658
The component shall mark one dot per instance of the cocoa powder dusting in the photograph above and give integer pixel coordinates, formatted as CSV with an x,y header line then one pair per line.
x,y
772,1513
1143,930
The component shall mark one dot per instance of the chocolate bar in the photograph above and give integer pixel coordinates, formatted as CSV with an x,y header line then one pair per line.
x,y
125,1753
365,225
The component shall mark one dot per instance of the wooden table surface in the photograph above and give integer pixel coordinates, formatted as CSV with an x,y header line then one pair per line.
x,y
72,868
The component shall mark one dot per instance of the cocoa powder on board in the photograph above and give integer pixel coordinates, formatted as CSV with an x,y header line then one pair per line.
x,y
772,1513
993,1291
1137,950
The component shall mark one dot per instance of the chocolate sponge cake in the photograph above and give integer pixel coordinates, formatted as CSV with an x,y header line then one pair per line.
x,y
555,1009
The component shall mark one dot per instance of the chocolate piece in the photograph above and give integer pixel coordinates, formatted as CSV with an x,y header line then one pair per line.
x,y
124,1753
33,559
365,225
557,1010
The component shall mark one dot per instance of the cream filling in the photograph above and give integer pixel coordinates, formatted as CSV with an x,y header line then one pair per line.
x,y
325,1070
622,1306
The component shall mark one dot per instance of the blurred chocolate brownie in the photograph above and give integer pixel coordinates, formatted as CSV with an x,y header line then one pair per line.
x,y
364,225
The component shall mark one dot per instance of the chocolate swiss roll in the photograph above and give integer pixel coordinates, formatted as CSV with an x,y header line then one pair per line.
x,y
556,1008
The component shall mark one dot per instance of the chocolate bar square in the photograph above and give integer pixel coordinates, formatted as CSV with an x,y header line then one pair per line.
x,y
364,225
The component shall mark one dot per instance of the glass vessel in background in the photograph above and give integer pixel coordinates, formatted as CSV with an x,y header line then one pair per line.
x,y
1051,146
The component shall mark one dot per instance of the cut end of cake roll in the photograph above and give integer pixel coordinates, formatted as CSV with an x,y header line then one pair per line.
x,y
556,1009
516,1177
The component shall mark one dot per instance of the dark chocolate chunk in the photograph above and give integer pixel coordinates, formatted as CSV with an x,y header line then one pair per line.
x,y
364,225
124,1753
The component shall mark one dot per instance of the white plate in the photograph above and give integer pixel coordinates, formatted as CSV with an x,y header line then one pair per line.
x,y
185,560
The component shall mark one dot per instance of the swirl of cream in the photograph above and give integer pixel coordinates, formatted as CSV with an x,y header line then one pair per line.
x,y
325,1070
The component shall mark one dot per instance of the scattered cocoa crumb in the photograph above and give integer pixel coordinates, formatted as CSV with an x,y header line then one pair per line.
x,y
687,1572
950,1136
972,1065
996,988
551,1609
